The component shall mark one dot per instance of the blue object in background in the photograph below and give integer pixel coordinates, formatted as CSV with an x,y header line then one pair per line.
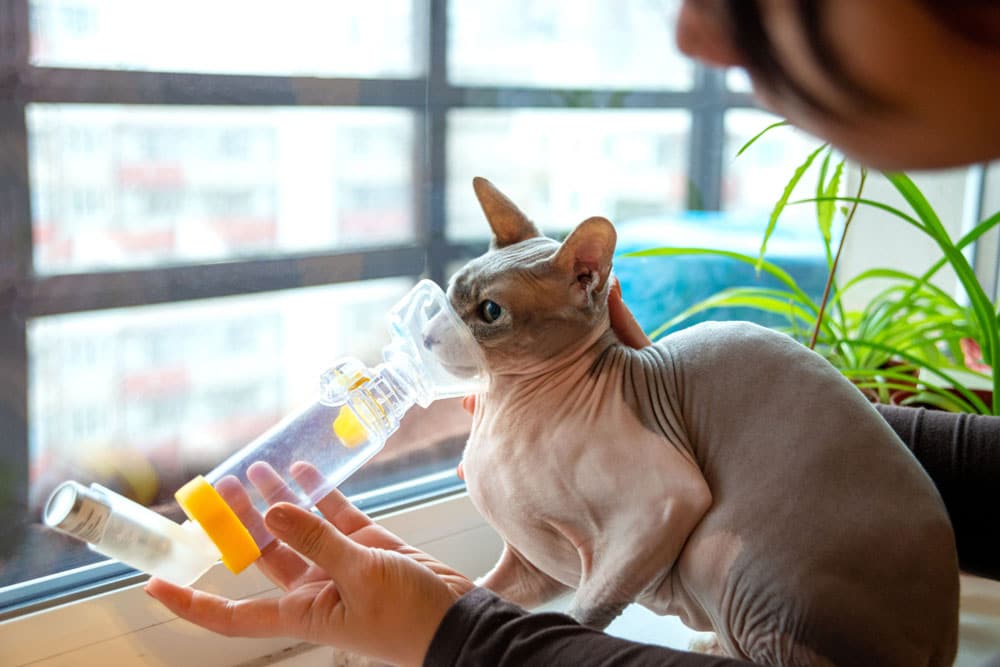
x,y
658,288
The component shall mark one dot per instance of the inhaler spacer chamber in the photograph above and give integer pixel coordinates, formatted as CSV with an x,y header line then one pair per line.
x,y
431,355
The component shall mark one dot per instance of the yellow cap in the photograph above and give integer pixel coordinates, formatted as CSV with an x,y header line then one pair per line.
x,y
348,428
202,503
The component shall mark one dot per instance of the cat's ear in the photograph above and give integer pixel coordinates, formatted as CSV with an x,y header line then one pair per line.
x,y
509,225
586,255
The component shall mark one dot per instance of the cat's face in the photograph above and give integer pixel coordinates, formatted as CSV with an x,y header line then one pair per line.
x,y
529,298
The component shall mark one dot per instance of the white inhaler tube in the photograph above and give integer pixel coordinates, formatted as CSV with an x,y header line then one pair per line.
x,y
117,527
431,355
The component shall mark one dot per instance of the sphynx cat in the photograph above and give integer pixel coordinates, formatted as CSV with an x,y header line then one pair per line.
x,y
727,474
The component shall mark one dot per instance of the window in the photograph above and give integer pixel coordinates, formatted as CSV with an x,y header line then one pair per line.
x,y
189,234
128,186
753,181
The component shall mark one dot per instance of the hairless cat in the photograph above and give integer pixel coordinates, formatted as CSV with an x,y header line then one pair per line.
x,y
727,475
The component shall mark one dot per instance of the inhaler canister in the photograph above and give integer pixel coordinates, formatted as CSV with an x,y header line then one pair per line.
x,y
119,528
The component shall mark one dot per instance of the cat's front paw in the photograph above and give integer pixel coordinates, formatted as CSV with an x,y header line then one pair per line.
x,y
707,643
598,616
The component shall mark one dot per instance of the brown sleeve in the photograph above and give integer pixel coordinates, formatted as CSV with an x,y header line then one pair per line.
x,y
482,629
961,453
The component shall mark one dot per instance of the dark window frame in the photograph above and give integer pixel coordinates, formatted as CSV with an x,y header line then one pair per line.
x,y
25,295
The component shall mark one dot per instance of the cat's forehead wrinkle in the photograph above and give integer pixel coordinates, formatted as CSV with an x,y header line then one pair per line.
x,y
513,276
525,255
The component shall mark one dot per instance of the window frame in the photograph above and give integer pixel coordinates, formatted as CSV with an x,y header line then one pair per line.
x,y
25,295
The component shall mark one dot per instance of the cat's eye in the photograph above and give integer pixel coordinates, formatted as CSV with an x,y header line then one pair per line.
x,y
490,311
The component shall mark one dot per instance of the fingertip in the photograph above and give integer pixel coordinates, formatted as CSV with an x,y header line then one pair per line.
x,y
309,534
616,288
280,517
615,304
155,586
172,596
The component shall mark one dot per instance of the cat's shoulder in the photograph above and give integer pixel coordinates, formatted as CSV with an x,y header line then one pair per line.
x,y
727,332
731,339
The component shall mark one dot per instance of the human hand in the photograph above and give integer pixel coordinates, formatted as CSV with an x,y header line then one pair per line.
x,y
364,591
623,321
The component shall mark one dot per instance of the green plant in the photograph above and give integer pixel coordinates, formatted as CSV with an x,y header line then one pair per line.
x,y
908,327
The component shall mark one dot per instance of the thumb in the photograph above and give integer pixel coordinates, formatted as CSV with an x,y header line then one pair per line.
x,y
315,538
622,321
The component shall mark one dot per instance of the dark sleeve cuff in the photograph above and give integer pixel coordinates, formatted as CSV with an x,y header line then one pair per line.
x,y
961,453
456,627
482,629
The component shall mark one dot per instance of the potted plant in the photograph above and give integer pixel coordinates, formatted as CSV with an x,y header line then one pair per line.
x,y
912,342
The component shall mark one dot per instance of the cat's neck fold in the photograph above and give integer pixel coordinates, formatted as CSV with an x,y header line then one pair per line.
x,y
573,364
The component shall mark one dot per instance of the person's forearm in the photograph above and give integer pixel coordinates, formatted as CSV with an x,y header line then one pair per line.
x,y
482,629
961,453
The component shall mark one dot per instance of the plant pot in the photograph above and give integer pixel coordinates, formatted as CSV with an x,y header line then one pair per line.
x,y
898,366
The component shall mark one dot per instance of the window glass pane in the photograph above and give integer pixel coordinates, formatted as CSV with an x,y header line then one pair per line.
x,y
125,186
566,44
143,399
754,181
737,80
561,167
374,38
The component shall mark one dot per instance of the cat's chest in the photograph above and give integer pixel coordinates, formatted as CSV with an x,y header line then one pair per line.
x,y
560,452
549,425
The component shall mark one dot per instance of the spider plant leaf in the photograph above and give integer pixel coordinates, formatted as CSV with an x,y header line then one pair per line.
x,y
821,188
892,210
935,370
985,312
760,134
894,274
826,208
774,270
783,201
779,302
940,400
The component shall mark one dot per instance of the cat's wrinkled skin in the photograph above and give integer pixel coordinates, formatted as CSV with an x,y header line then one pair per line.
x,y
727,475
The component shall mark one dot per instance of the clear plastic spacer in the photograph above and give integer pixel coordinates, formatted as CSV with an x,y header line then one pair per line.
x,y
336,384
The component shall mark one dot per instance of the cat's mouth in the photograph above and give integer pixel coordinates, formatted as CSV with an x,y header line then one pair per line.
x,y
459,370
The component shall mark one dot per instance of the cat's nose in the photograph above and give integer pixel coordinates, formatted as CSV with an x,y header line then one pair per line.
x,y
430,341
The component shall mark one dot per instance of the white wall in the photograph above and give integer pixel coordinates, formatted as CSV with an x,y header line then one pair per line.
x,y
878,239
988,248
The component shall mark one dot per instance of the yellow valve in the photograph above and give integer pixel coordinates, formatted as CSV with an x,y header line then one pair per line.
x,y
348,428
202,503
